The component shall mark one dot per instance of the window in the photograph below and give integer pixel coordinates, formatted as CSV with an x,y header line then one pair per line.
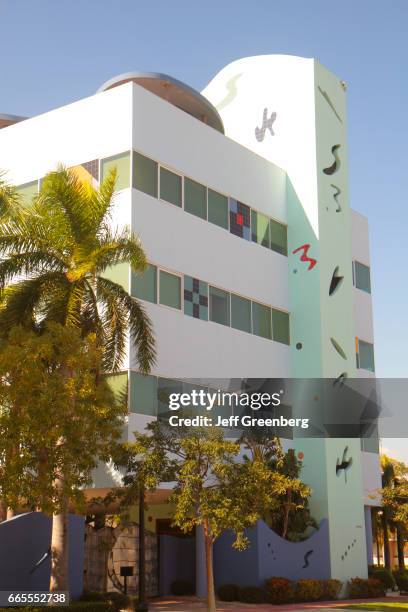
x,y
241,313
167,386
27,192
261,320
217,209
144,286
195,298
260,228
143,394
122,164
144,174
118,384
362,277
195,197
119,274
365,356
219,306
280,326
170,187
240,219
279,237
170,290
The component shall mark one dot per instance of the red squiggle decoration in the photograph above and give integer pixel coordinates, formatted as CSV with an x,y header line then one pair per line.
x,y
304,257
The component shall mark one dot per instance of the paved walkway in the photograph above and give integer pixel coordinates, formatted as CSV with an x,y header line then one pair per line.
x,y
187,604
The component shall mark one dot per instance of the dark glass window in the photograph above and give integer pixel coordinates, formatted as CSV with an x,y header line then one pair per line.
x,y
195,198
170,187
219,306
279,237
261,320
144,286
217,209
241,313
145,174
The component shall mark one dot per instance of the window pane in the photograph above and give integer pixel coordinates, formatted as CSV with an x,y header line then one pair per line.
x,y
240,313
260,228
279,238
144,286
122,164
195,298
280,325
217,209
166,386
170,289
366,356
144,174
118,384
195,198
219,306
362,276
170,187
119,273
261,320
240,219
27,192
143,394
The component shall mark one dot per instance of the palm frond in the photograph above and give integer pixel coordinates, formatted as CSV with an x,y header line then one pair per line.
x,y
28,263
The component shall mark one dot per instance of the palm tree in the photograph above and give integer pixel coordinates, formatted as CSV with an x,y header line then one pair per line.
x,y
53,257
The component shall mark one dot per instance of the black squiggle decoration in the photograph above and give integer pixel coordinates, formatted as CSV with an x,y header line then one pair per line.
x,y
336,164
306,558
338,348
336,195
335,281
41,561
231,87
345,464
340,379
329,102
266,125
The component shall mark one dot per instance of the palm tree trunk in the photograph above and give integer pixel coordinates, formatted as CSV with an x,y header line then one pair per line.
x,y
3,511
59,580
387,557
10,513
211,607
286,517
400,548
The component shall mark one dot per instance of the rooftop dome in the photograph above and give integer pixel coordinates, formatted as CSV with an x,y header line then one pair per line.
x,y
173,91
6,120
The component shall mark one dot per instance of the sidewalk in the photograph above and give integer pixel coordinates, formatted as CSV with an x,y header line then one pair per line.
x,y
187,604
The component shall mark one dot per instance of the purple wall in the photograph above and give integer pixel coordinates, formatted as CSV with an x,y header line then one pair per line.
x,y
24,539
176,561
269,555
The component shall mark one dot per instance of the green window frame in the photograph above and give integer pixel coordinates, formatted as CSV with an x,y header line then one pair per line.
x,y
219,306
241,315
280,326
143,394
362,278
217,208
171,187
144,285
262,320
145,173
122,164
260,229
169,290
195,198
365,357
279,237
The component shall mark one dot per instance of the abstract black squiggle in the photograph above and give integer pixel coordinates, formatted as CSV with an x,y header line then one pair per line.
x,y
231,87
329,102
336,195
306,558
41,561
266,125
336,281
336,164
338,348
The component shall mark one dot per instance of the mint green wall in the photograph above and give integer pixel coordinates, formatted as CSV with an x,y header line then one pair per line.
x,y
317,317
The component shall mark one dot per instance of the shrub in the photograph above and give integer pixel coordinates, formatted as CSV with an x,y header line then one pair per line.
x,y
308,590
251,594
401,578
360,587
76,606
93,596
228,592
119,600
331,588
182,587
383,575
279,590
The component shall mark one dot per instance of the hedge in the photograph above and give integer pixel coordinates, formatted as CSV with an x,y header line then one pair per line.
x,y
77,606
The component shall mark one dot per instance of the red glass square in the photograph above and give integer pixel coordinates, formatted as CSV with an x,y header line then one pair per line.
x,y
240,219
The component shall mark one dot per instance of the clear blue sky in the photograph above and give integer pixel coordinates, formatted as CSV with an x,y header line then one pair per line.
x,y
53,52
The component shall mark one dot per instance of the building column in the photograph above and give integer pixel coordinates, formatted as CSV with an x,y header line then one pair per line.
x,y
201,575
369,534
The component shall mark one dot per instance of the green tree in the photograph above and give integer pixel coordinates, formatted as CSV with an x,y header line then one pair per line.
x,y
213,489
395,506
53,429
55,258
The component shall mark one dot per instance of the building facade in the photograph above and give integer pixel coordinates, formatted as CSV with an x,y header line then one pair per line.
x,y
258,268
